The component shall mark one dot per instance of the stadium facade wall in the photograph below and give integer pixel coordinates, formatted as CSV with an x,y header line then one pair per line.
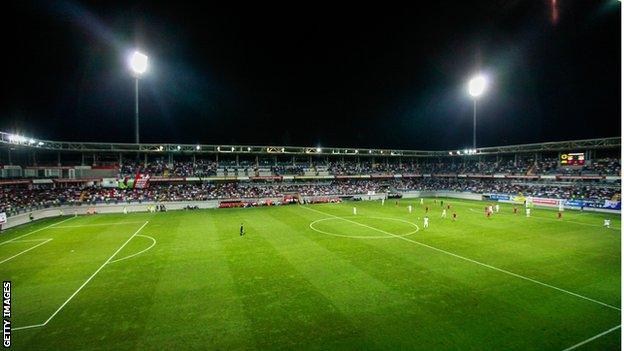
x,y
451,194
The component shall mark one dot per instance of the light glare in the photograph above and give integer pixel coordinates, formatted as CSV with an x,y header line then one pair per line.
x,y
477,86
138,62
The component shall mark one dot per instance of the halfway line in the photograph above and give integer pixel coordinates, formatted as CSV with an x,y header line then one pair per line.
x,y
471,260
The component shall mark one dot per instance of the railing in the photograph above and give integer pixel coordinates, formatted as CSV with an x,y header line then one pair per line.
x,y
22,142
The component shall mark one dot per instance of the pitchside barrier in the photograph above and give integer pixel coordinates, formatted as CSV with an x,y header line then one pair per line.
x,y
606,206
537,202
451,194
50,212
101,208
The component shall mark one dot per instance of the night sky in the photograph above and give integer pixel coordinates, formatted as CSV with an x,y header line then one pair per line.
x,y
313,74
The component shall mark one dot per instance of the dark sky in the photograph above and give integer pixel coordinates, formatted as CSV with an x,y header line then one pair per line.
x,y
313,74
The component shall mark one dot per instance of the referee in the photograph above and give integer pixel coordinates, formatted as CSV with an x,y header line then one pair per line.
x,y
242,230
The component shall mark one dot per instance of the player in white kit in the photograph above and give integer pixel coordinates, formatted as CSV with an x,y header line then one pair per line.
x,y
607,223
409,208
422,201
355,211
528,212
497,208
426,222
443,213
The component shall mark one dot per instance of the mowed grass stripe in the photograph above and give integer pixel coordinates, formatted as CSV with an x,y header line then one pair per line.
x,y
194,297
287,286
44,278
83,284
565,254
283,308
365,300
121,297
482,264
456,298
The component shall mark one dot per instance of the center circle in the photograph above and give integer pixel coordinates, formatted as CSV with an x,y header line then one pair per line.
x,y
313,226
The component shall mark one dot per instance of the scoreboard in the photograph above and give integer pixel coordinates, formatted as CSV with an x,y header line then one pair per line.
x,y
573,159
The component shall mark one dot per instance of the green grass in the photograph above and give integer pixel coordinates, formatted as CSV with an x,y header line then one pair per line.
x,y
285,285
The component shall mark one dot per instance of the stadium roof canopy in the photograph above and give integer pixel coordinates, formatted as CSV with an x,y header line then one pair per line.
x,y
15,141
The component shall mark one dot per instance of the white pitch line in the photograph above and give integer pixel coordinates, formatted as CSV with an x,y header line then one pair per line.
x,y
311,225
593,338
28,241
473,261
37,230
138,253
95,225
83,284
552,219
25,251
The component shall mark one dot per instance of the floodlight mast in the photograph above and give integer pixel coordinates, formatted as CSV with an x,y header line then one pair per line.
x,y
476,88
138,64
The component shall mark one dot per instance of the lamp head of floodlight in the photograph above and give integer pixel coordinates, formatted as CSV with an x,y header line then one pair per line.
x,y
138,63
477,86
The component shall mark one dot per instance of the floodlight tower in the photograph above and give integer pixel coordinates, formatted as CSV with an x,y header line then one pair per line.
x,y
138,64
476,88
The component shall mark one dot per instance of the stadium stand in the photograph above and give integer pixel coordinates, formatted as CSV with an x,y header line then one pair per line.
x,y
21,198
34,175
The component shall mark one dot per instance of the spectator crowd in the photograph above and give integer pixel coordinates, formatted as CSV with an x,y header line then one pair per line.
x,y
521,166
16,198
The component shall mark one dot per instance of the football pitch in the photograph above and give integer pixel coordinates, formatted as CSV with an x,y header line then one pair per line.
x,y
317,277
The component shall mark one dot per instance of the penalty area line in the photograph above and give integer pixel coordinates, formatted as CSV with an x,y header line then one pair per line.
x,y
95,224
37,230
473,261
83,284
29,241
25,251
593,338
